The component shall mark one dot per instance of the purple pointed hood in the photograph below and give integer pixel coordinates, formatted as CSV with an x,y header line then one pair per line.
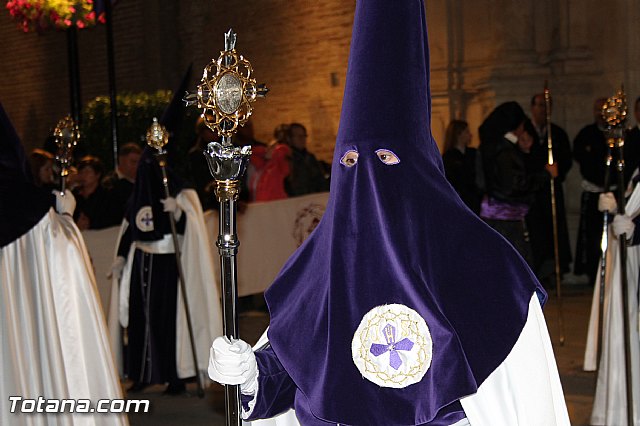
x,y
394,233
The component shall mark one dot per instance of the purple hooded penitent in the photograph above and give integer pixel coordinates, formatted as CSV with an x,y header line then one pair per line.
x,y
394,233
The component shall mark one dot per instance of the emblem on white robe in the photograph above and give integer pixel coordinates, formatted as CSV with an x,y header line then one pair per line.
x,y
144,219
392,346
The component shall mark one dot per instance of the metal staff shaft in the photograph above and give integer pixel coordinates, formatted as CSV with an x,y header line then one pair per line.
x,y
227,165
228,244
604,244
622,240
63,183
183,290
554,215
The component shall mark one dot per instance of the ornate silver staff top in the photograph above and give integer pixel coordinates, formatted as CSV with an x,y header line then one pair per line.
x,y
157,137
227,91
225,95
66,136
614,112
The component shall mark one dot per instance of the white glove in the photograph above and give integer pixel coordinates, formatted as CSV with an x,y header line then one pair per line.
x,y
607,203
622,224
116,268
170,205
233,364
65,204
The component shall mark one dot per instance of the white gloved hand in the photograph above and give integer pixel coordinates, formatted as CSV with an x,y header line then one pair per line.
x,y
65,204
233,364
116,268
170,205
622,224
607,203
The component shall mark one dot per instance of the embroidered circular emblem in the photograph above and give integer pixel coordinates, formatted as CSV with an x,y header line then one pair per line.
x,y
392,346
144,219
307,219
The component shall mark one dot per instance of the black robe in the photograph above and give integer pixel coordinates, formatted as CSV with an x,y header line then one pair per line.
x,y
590,152
460,169
151,351
539,218
99,207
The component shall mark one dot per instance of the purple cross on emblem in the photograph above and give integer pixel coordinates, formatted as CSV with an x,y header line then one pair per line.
x,y
147,219
392,346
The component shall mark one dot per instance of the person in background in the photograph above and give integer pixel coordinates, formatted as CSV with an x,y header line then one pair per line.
x,y
610,400
510,184
539,218
632,145
94,208
120,183
306,175
42,163
199,173
590,152
460,163
271,167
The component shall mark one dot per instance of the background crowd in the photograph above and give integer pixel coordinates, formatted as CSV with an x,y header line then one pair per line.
x,y
281,168
507,181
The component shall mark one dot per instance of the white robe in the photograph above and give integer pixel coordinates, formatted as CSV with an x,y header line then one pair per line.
x,y
53,338
524,390
202,288
610,402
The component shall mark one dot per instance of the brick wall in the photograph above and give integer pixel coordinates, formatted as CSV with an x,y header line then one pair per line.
x,y
300,51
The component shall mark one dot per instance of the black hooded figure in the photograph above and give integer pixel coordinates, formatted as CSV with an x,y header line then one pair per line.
x,y
509,186
146,274
151,354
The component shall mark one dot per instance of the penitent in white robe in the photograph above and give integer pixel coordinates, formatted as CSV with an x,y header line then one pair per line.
x,y
610,402
53,337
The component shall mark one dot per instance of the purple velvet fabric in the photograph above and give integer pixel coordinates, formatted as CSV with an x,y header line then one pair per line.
x,y
491,208
394,234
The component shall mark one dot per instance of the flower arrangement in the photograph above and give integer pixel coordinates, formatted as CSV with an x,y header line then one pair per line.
x,y
135,114
40,15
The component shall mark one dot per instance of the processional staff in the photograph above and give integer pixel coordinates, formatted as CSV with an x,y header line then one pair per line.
x,y
225,95
604,242
614,111
66,135
554,214
157,137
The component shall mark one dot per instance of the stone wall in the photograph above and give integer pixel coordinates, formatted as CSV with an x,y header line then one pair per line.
x,y
482,53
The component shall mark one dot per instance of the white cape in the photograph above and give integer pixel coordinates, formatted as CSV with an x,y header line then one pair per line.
x,y
201,284
53,338
610,402
524,390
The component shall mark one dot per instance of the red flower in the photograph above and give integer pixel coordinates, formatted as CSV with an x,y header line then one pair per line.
x,y
39,15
